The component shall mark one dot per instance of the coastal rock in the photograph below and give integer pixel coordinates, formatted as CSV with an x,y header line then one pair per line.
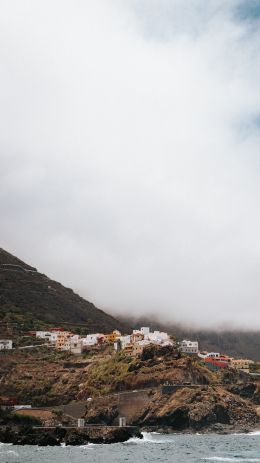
x,y
76,436
188,409
250,391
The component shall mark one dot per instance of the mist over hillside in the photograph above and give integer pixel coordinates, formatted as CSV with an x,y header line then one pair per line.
x,y
28,297
237,343
133,175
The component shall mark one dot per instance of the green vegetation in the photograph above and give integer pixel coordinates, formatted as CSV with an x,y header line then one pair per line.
x,y
10,418
105,375
17,318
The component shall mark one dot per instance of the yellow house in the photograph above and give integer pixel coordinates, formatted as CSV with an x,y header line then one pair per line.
x,y
241,364
62,338
112,337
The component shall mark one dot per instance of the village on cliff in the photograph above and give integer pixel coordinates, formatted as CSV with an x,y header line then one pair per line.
x,y
131,344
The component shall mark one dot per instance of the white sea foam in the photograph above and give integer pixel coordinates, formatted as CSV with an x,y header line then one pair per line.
x,y
150,437
253,433
88,446
231,459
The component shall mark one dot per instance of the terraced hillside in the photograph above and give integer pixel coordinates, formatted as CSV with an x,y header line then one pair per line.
x,y
28,296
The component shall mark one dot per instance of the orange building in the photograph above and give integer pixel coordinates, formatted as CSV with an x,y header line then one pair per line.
x,y
112,337
62,338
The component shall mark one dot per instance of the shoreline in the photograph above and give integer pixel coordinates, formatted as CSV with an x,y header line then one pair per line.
x,y
58,436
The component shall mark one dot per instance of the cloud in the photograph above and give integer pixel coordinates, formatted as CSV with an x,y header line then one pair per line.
x,y
130,152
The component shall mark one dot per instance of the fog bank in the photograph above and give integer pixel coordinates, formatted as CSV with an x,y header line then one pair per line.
x,y
130,153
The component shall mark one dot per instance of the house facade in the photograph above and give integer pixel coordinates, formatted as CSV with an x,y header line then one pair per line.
x,y
62,338
189,347
6,344
241,364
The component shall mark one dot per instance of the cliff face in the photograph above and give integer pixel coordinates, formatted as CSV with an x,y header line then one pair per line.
x,y
27,296
112,385
198,409
206,408
205,403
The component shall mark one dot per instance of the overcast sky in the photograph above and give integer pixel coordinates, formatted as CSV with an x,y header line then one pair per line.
x,y
130,152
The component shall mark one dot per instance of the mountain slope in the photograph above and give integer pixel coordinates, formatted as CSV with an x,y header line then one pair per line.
x,y
27,295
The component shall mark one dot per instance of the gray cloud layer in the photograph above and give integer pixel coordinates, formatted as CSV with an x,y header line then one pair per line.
x,y
129,150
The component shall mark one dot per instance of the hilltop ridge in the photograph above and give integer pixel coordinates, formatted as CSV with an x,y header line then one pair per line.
x,y
28,296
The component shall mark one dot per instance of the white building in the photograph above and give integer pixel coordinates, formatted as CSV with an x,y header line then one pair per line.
x,y
144,343
157,337
50,336
212,355
73,346
54,336
122,342
189,347
91,339
75,338
125,340
76,347
145,330
22,407
6,344
44,335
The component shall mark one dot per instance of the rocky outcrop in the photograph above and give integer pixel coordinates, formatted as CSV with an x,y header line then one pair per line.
x,y
250,391
188,409
157,366
72,436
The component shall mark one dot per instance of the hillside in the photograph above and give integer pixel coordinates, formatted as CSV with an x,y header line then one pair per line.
x,y
29,298
160,388
201,400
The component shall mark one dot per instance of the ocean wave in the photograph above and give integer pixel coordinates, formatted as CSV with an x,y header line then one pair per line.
x,y
88,446
150,437
231,459
9,452
252,433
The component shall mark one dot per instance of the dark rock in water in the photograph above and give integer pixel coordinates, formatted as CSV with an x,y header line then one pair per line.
x,y
76,436
48,439
43,440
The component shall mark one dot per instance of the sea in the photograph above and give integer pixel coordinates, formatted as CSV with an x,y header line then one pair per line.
x,y
173,448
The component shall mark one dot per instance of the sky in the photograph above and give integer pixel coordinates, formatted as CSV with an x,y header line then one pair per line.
x,y
129,153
